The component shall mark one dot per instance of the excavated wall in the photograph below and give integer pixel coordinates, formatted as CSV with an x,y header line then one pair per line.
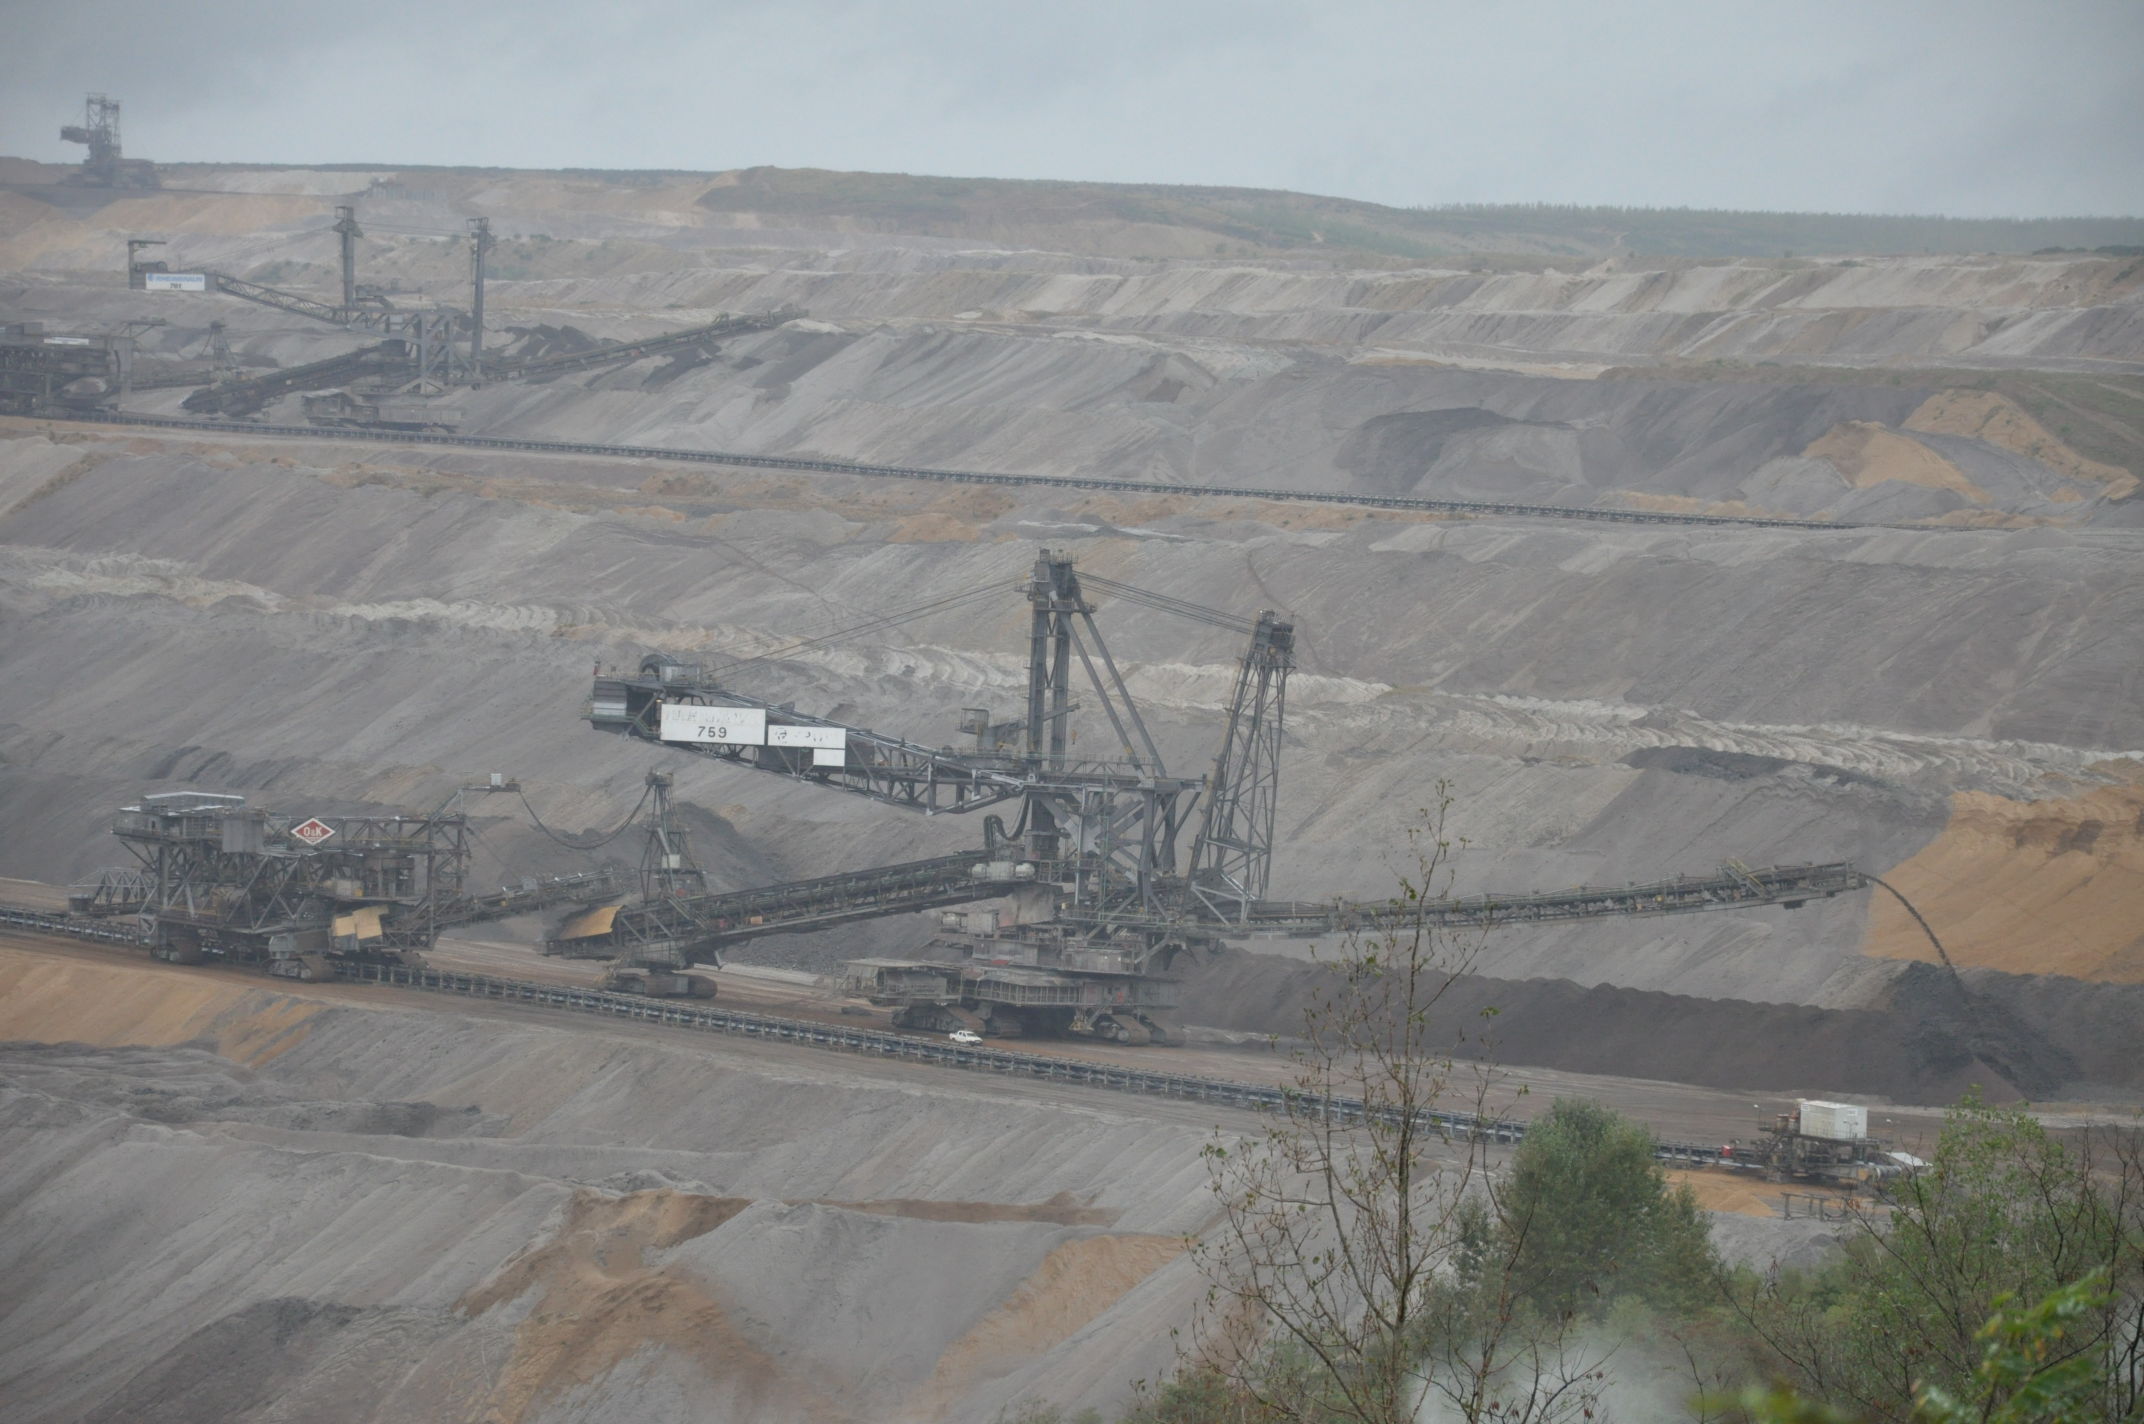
x,y
226,1201
1603,705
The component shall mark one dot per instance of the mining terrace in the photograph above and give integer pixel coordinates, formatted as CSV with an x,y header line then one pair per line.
x,y
1885,607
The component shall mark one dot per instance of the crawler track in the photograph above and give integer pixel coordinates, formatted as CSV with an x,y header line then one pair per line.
x,y
968,477
1004,1063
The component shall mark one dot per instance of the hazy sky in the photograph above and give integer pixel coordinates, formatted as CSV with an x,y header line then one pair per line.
x,y
2025,108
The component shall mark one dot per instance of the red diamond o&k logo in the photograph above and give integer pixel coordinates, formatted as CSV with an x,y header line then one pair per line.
x,y
313,831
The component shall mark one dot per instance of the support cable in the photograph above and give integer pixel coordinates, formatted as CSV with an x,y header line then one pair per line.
x,y
1131,704
874,625
1109,705
571,844
507,868
1166,603
373,225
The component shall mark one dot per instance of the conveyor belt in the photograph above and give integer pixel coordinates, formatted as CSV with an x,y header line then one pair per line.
x,y
276,297
158,380
240,397
580,887
544,366
662,928
1089,1072
977,477
22,917
1086,1072
878,1043
1734,887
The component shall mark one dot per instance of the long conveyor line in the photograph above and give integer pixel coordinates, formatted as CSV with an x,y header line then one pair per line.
x,y
44,922
974,477
1086,1072
734,915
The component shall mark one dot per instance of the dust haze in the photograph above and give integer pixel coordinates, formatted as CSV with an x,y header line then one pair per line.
x,y
1660,550
1973,109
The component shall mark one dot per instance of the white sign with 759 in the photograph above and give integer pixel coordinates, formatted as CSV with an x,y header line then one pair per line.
x,y
721,726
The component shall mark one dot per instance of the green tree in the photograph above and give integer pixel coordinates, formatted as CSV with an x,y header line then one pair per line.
x,y
1588,1218
2004,1212
1334,1271
1198,1395
2029,1372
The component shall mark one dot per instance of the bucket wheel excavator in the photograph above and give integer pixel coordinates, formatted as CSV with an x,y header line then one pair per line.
x,y
1109,871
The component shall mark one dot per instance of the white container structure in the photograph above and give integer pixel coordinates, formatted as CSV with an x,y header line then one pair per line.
x,y
1834,1122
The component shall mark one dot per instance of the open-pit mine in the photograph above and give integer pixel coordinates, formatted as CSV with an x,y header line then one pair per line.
x,y
666,796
